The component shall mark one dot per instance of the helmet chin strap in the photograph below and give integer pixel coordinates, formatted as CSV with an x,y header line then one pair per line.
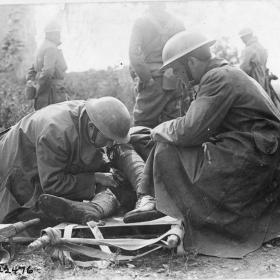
x,y
189,73
95,132
191,81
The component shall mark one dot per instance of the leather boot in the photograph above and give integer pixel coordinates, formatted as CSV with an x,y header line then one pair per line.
x,y
145,210
103,205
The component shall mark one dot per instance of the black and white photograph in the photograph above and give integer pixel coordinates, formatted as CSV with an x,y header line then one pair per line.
x,y
139,139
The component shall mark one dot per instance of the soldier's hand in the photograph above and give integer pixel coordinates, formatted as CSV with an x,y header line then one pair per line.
x,y
105,179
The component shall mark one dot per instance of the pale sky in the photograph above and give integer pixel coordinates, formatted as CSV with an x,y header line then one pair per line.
x,y
97,35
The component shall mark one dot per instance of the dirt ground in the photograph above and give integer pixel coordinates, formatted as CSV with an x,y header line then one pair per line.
x,y
261,264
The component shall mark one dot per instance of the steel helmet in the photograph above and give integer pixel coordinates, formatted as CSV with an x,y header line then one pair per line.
x,y
181,44
53,26
110,116
245,31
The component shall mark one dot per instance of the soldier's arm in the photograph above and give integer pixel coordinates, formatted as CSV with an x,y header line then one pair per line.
x,y
60,66
31,73
136,55
203,117
52,160
49,62
247,61
48,69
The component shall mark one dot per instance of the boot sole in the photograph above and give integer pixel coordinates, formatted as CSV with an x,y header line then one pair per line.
x,y
136,217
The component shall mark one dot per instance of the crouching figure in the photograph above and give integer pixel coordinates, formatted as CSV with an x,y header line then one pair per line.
x,y
53,165
216,168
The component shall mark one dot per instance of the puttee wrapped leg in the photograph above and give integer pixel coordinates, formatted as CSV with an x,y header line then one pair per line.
x,y
126,159
103,205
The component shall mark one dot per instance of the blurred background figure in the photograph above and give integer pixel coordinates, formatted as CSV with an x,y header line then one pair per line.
x,y
253,61
253,57
158,95
45,76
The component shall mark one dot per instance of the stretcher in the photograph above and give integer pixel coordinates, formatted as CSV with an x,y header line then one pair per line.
x,y
99,244
112,241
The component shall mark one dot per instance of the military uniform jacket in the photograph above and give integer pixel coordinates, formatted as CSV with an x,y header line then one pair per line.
x,y
48,151
147,40
227,147
47,72
50,62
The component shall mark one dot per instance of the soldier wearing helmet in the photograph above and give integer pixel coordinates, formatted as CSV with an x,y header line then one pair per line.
x,y
216,167
48,71
158,95
253,58
52,159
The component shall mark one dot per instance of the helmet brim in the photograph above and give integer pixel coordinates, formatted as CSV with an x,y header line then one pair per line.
x,y
173,59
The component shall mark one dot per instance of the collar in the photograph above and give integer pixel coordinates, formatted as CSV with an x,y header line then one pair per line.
x,y
215,63
83,126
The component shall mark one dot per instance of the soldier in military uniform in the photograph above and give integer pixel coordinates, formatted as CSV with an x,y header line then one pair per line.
x,y
254,58
158,97
59,161
49,69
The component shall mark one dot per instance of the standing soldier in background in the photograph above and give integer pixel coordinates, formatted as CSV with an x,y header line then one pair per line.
x,y
48,70
158,96
254,58
253,61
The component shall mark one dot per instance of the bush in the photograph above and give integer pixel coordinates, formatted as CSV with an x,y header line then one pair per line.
x,y
98,83
13,105
80,85
223,48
